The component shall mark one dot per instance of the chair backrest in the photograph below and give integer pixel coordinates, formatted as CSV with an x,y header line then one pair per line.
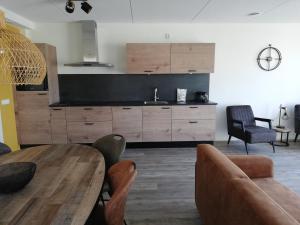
x,y
297,111
121,176
240,112
111,146
297,118
4,149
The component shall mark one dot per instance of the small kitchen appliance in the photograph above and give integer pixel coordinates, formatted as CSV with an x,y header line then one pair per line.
x,y
201,96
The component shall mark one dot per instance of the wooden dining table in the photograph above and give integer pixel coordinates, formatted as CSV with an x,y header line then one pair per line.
x,y
63,191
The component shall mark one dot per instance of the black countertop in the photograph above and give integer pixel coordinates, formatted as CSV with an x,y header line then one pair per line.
x,y
124,103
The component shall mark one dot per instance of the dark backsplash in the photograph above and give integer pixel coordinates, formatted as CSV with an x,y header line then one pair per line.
x,y
127,87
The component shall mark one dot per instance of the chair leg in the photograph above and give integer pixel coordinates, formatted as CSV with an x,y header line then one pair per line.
x,y
229,138
246,146
272,143
102,199
296,137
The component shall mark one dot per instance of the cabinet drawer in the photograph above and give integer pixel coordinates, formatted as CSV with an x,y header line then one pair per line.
x,y
193,130
37,132
127,121
59,131
99,114
87,132
58,113
194,112
157,112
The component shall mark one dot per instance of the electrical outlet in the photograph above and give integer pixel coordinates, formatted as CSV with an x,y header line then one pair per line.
x,y
5,101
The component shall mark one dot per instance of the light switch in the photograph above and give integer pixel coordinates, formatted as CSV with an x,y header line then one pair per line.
x,y
5,101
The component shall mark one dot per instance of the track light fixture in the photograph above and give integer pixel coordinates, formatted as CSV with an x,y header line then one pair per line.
x,y
70,6
85,6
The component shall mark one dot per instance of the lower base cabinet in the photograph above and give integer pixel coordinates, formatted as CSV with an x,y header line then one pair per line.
x,y
157,123
135,123
34,132
59,132
87,132
127,121
193,130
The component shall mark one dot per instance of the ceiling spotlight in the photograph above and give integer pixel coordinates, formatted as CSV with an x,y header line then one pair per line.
x,y
70,6
86,7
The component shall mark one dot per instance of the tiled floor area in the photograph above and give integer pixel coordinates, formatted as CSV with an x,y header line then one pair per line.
x,y
163,193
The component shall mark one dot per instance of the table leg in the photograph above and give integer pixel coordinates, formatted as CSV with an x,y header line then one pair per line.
x,y
287,138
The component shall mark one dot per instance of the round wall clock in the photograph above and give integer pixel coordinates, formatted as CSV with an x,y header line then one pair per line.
x,y
269,58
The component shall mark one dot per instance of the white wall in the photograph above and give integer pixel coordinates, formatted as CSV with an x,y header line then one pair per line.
x,y
237,78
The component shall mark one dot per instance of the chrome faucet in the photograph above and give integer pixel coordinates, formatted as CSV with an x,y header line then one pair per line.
x,y
156,97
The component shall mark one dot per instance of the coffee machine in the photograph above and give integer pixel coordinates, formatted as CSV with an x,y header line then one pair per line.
x,y
201,96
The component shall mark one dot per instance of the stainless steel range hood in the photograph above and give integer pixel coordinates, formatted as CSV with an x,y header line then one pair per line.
x,y
89,47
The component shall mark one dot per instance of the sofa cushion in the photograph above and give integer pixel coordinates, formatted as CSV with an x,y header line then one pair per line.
x,y
257,134
248,204
285,197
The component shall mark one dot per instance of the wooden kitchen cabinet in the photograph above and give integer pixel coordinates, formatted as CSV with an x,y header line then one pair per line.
x,y
193,130
33,117
58,125
148,58
87,124
89,114
127,121
192,58
193,123
157,123
88,132
194,112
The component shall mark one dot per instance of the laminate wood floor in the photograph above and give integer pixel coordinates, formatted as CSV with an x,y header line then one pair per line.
x,y
163,193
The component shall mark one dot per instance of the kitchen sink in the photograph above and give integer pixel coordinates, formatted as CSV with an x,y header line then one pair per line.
x,y
156,102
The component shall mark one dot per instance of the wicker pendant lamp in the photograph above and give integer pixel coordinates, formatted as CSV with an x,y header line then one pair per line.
x,y
21,62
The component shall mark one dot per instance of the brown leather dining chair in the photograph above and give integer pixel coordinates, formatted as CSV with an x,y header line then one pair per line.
x,y
120,177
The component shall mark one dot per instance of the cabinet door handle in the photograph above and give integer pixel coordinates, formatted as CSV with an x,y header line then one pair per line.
x,y
193,121
192,71
165,107
148,71
88,108
89,124
126,108
42,94
193,107
56,109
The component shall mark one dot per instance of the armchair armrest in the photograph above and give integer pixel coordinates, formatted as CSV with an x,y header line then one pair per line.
x,y
239,122
269,121
254,166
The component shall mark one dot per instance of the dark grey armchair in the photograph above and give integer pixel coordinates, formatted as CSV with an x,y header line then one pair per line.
x,y
297,121
241,124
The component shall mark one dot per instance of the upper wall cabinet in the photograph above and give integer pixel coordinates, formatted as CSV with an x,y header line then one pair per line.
x,y
192,58
148,58
170,58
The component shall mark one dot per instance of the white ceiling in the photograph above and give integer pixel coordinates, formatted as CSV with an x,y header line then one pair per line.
x,y
163,11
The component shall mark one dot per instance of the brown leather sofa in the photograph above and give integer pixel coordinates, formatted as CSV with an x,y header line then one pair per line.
x,y
240,190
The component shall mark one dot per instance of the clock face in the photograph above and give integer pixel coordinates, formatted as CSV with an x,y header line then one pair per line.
x,y
269,58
